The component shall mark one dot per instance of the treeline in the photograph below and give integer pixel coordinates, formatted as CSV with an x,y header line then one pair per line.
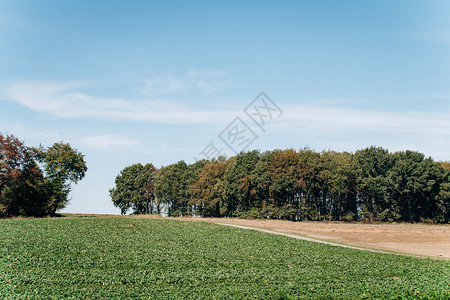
x,y
372,184
36,181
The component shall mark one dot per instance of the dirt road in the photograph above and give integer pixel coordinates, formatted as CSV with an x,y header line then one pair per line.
x,y
416,239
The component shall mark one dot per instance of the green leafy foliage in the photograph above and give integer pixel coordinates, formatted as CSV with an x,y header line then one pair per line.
x,y
62,166
238,184
371,184
62,162
129,258
135,189
27,190
367,185
172,188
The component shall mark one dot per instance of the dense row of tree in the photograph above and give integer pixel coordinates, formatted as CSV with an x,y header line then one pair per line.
x,y
370,184
36,181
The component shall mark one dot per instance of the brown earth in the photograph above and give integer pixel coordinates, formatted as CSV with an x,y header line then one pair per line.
x,y
417,239
404,238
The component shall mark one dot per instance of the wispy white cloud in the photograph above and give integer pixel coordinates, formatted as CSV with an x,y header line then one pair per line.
x,y
203,82
436,96
430,36
330,119
107,141
61,100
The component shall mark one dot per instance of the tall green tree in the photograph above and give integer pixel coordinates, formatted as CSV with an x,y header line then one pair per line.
x,y
135,189
63,166
414,183
238,183
310,184
442,213
338,176
172,187
373,165
261,186
283,172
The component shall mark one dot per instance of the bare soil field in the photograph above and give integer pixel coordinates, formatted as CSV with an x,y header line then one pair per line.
x,y
417,239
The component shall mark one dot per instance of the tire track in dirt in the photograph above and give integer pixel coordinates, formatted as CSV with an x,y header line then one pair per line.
x,y
418,240
304,238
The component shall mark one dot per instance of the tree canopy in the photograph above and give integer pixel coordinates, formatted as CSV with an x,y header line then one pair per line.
x,y
36,181
370,184
135,190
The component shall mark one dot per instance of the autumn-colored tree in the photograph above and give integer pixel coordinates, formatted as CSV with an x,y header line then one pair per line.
x,y
27,190
22,185
371,184
208,191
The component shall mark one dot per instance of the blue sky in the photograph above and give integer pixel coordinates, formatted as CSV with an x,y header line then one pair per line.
x,y
146,81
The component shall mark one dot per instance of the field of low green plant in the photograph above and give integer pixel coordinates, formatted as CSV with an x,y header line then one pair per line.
x,y
122,257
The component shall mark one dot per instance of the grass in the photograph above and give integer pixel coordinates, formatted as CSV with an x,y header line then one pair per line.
x,y
120,257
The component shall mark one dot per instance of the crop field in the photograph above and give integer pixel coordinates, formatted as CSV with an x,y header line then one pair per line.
x,y
123,257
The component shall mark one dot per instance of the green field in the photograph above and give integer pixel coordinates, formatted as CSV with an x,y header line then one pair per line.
x,y
122,257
